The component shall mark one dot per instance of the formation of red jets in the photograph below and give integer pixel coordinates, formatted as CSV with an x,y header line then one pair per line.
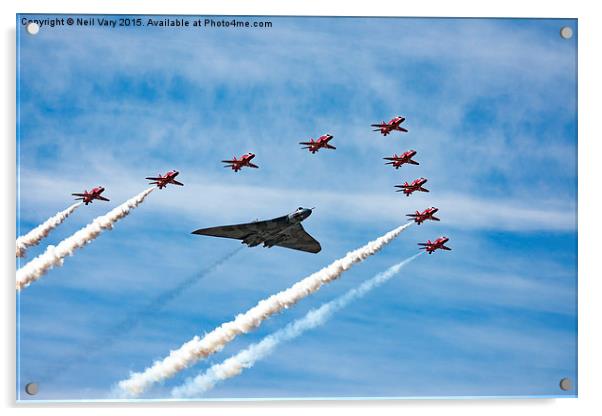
x,y
160,180
416,185
396,161
322,142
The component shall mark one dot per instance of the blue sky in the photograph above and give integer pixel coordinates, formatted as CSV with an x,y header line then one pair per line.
x,y
491,110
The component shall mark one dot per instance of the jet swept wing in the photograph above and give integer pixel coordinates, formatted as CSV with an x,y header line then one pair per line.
x,y
285,231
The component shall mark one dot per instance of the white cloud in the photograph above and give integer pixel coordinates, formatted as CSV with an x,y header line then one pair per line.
x,y
205,198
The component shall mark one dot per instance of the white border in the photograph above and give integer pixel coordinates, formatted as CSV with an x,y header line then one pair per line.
x,y
590,211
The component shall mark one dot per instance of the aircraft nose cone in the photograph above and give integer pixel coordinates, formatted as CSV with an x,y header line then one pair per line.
x,y
307,213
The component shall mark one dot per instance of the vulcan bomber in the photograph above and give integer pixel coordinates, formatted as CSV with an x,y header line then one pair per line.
x,y
285,231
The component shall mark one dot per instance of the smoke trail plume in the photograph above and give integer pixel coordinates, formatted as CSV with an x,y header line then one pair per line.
x,y
234,365
36,235
198,348
54,255
119,331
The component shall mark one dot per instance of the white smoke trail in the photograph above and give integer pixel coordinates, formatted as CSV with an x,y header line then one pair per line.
x,y
198,348
36,235
53,256
234,365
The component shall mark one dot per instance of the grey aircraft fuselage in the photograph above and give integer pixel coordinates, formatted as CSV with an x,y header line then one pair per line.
x,y
285,231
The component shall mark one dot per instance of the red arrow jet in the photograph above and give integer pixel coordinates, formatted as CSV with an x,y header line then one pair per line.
x,y
321,143
438,244
88,197
386,128
163,180
409,188
427,214
238,164
405,157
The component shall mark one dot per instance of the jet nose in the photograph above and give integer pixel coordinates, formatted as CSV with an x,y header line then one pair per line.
x,y
307,212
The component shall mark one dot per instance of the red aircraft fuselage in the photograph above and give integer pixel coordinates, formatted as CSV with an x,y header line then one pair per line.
x,y
238,164
320,143
406,157
427,214
88,197
438,244
392,125
163,180
416,185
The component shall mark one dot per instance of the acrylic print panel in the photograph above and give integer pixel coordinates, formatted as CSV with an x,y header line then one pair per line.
x,y
143,139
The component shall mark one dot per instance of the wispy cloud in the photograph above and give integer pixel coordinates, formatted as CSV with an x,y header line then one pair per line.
x,y
234,365
466,211
491,110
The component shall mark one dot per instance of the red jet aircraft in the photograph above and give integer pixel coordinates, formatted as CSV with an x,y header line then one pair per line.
x,y
405,157
416,185
427,214
238,164
88,197
431,246
163,180
321,143
394,124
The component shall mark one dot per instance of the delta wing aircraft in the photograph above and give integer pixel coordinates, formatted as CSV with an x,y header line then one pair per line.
x,y
285,231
